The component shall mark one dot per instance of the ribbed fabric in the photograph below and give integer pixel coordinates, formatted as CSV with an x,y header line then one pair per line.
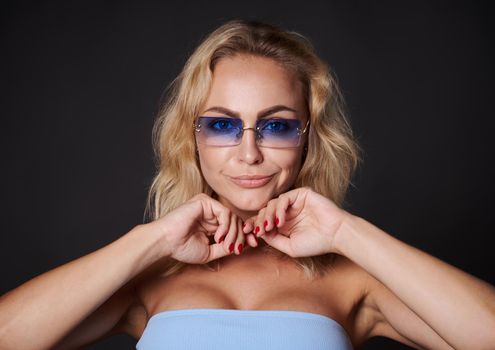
x,y
227,329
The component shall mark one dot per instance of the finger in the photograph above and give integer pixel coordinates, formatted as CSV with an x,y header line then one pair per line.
x,y
231,235
247,231
217,251
279,242
258,223
269,220
251,240
239,243
221,233
281,210
249,225
296,198
223,217
219,237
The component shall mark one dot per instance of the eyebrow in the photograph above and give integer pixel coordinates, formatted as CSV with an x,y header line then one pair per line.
x,y
261,114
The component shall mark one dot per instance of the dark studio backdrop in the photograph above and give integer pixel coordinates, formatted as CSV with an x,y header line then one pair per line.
x,y
81,83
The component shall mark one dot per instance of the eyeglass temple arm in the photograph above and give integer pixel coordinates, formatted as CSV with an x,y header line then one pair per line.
x,y
306,127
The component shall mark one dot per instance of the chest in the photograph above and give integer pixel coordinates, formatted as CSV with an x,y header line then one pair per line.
x,y
255,286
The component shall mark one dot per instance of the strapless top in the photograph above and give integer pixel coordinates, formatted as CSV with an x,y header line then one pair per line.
x,y
227,329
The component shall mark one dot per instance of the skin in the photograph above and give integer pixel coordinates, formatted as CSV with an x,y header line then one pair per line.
x,y
249,85
380,287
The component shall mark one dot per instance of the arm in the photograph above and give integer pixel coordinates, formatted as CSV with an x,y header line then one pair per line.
x,y
112,317
49,306
84,300
460,308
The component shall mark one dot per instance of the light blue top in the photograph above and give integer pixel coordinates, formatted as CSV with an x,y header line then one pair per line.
x,y
227,329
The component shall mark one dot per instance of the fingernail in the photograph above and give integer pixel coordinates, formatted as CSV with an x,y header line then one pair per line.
x,y
221,239
265,224
231,247
257,229
239,248
276,221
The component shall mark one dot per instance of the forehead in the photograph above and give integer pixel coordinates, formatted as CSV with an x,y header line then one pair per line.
x,y
251,83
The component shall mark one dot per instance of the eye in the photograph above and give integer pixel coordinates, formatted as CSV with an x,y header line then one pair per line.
x,y
221,124
276,125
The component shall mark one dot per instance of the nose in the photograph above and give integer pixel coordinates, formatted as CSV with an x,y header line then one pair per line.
x,y
249,151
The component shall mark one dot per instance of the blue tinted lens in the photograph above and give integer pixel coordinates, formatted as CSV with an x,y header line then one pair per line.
x,y
218,131
225,131
279,132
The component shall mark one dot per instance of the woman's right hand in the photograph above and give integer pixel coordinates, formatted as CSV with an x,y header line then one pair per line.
x,y
186,231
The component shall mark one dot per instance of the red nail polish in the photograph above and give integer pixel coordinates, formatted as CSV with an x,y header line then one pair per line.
x,y
265,224
231,247
221,239
276,221
239,248
257,229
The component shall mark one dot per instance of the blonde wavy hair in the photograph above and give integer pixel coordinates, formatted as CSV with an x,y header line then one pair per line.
x,y
332,152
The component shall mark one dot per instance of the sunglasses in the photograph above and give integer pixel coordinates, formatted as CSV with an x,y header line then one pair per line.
x,y
225,131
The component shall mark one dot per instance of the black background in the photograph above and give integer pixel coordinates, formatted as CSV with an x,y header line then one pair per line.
x,y
81,82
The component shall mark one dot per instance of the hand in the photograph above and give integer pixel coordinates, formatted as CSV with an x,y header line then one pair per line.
x,y
307,223
186,230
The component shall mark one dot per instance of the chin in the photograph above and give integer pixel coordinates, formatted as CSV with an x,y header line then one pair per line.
x,y
252,206
250,202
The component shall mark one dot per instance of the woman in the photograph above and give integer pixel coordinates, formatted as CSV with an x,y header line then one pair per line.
x,y
249,247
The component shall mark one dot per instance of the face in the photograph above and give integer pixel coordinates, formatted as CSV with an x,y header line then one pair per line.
x,y
249,87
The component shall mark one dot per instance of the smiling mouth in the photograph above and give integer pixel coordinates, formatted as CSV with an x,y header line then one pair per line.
x,y
251,182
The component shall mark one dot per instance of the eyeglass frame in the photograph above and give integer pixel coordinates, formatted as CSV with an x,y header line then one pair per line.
x,y
255,129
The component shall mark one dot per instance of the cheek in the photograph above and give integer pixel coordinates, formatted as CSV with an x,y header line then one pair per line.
x,y
288,164
211,161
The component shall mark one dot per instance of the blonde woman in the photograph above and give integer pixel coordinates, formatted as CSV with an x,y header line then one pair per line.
x,y
249,247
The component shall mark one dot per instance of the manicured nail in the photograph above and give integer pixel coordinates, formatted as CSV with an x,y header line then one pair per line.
x,y
221,239
276,221
231,247
265,224
239,248
257,229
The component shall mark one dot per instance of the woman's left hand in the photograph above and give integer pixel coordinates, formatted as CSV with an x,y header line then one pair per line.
x,y
299,223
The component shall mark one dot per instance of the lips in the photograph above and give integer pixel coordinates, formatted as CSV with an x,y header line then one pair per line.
x,y
251,181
